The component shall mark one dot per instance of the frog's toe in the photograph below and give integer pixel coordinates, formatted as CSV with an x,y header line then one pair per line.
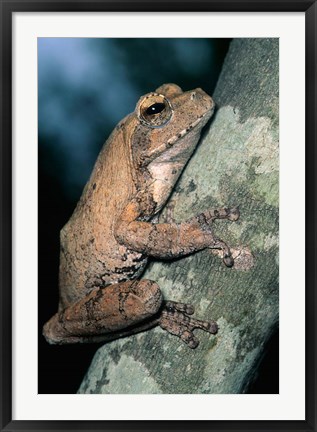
x,y
186,308
228,260
180,324
190,339
234,214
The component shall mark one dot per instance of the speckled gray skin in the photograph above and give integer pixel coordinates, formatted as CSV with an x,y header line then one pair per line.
x,y
237,162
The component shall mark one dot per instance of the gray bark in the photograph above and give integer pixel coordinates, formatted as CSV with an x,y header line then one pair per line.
x,y
236,164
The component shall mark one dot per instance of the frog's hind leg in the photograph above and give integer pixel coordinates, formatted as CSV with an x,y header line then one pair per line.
x,y
105,311
172,317
121,310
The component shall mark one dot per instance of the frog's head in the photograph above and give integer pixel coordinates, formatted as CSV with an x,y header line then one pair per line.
x,y
168,126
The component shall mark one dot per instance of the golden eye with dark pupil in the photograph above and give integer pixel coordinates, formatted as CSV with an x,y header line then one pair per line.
x,y
155,108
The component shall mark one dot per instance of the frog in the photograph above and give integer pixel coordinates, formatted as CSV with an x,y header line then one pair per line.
x,y
115,228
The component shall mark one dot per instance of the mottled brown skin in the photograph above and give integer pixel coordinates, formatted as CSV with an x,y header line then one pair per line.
x,y
106,243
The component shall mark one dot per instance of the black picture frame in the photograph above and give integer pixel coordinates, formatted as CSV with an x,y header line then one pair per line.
x,y
309,7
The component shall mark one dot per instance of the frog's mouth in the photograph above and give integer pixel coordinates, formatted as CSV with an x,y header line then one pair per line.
x,y
201,121
179,142
180,147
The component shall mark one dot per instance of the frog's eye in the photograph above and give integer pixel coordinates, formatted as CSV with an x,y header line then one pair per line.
x,y
154,110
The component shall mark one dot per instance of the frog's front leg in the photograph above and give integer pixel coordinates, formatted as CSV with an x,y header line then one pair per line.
x,y
172,240
121,310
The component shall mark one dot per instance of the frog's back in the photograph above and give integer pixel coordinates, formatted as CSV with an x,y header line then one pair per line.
x,y
90,256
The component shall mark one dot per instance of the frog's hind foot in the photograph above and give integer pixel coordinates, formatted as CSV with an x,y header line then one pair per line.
x,y
176,320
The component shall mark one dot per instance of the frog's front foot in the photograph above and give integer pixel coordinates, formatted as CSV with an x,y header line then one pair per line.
x,y
176,320
231,214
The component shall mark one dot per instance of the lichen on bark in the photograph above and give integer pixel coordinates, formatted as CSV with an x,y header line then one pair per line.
x,y
236,163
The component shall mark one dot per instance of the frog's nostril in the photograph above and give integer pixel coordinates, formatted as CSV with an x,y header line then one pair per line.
x,y
193,96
